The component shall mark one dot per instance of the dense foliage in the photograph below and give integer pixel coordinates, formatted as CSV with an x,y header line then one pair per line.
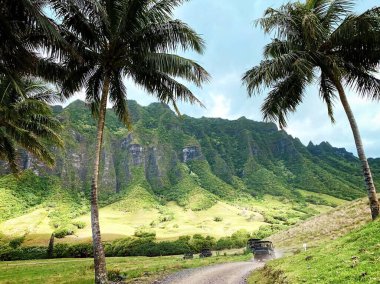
x,y
233,157
237,159
136,246
26,121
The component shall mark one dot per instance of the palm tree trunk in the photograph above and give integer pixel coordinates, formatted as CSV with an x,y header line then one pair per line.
x,y
99,256
373,201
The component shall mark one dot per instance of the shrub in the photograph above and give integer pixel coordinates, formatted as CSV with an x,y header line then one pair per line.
x,y
15,243
22,253
80,250
224,243
218,219
63,232
79,224
144,232
198,242
61,251
165,218
115,275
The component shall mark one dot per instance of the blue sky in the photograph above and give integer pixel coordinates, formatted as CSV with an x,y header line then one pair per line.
x,y
233,46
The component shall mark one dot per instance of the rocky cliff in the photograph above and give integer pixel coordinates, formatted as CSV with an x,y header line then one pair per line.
x,y
225,158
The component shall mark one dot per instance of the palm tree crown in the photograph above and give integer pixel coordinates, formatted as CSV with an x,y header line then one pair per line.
x,y
25,33
323,41
117,39
26,121
129,38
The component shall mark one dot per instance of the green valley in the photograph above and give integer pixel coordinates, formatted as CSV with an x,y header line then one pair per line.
x,y
176,176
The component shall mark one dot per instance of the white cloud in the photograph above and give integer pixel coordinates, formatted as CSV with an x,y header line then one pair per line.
x,y
220,106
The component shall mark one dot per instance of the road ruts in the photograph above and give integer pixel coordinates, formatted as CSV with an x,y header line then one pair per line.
x,y
227,273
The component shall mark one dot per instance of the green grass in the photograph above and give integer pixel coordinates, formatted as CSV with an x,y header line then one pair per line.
x,y
353,258
81,270
35,207
118,221
325,227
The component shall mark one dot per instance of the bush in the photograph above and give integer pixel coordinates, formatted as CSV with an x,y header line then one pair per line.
x,y
133,246
267,230
61,251
15,243
63,232
224,243
198,242
22,253
165,218
218,219
115,275
79,224
80,250
144,232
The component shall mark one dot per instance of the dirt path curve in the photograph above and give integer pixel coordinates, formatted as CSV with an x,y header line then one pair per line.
x,y
227,273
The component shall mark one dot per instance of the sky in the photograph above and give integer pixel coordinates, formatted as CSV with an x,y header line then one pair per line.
x,y
234,45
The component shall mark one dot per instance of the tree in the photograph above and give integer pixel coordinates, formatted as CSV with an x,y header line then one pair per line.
x,y
26,121
120,39
319,39
28,38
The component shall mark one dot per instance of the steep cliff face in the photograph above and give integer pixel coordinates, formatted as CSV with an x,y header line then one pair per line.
x,y
226,158
191,153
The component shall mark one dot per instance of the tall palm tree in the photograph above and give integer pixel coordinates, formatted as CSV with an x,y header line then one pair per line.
x,y
26,121
324,40
119,39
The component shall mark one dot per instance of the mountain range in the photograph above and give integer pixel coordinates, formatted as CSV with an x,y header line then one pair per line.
x,y
194,163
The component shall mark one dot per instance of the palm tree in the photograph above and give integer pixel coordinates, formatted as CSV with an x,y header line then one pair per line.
x,y
28,38
26,121
125,39
319,39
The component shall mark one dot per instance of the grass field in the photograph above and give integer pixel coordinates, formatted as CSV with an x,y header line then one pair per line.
x,y
353,258
169,221
78,271
325,227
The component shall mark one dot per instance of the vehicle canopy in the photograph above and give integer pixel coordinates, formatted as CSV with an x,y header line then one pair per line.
x,y
262,244
252,241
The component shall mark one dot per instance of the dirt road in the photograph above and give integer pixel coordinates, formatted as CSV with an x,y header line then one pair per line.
x,y
227,273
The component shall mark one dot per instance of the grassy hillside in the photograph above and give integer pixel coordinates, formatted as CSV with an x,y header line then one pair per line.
x,y
325,227
176,176
353,258
46,208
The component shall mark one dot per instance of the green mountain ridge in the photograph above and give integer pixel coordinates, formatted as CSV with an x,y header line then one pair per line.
x,y
167,163
254,154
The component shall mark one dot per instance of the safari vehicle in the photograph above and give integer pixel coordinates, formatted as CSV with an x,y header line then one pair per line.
x,y
250,243
262,250
205,253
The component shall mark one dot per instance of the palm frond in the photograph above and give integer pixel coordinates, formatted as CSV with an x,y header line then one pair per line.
x,y
283,99
363,81
8,151
118,97
177,66
26,121
327,92
167,36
